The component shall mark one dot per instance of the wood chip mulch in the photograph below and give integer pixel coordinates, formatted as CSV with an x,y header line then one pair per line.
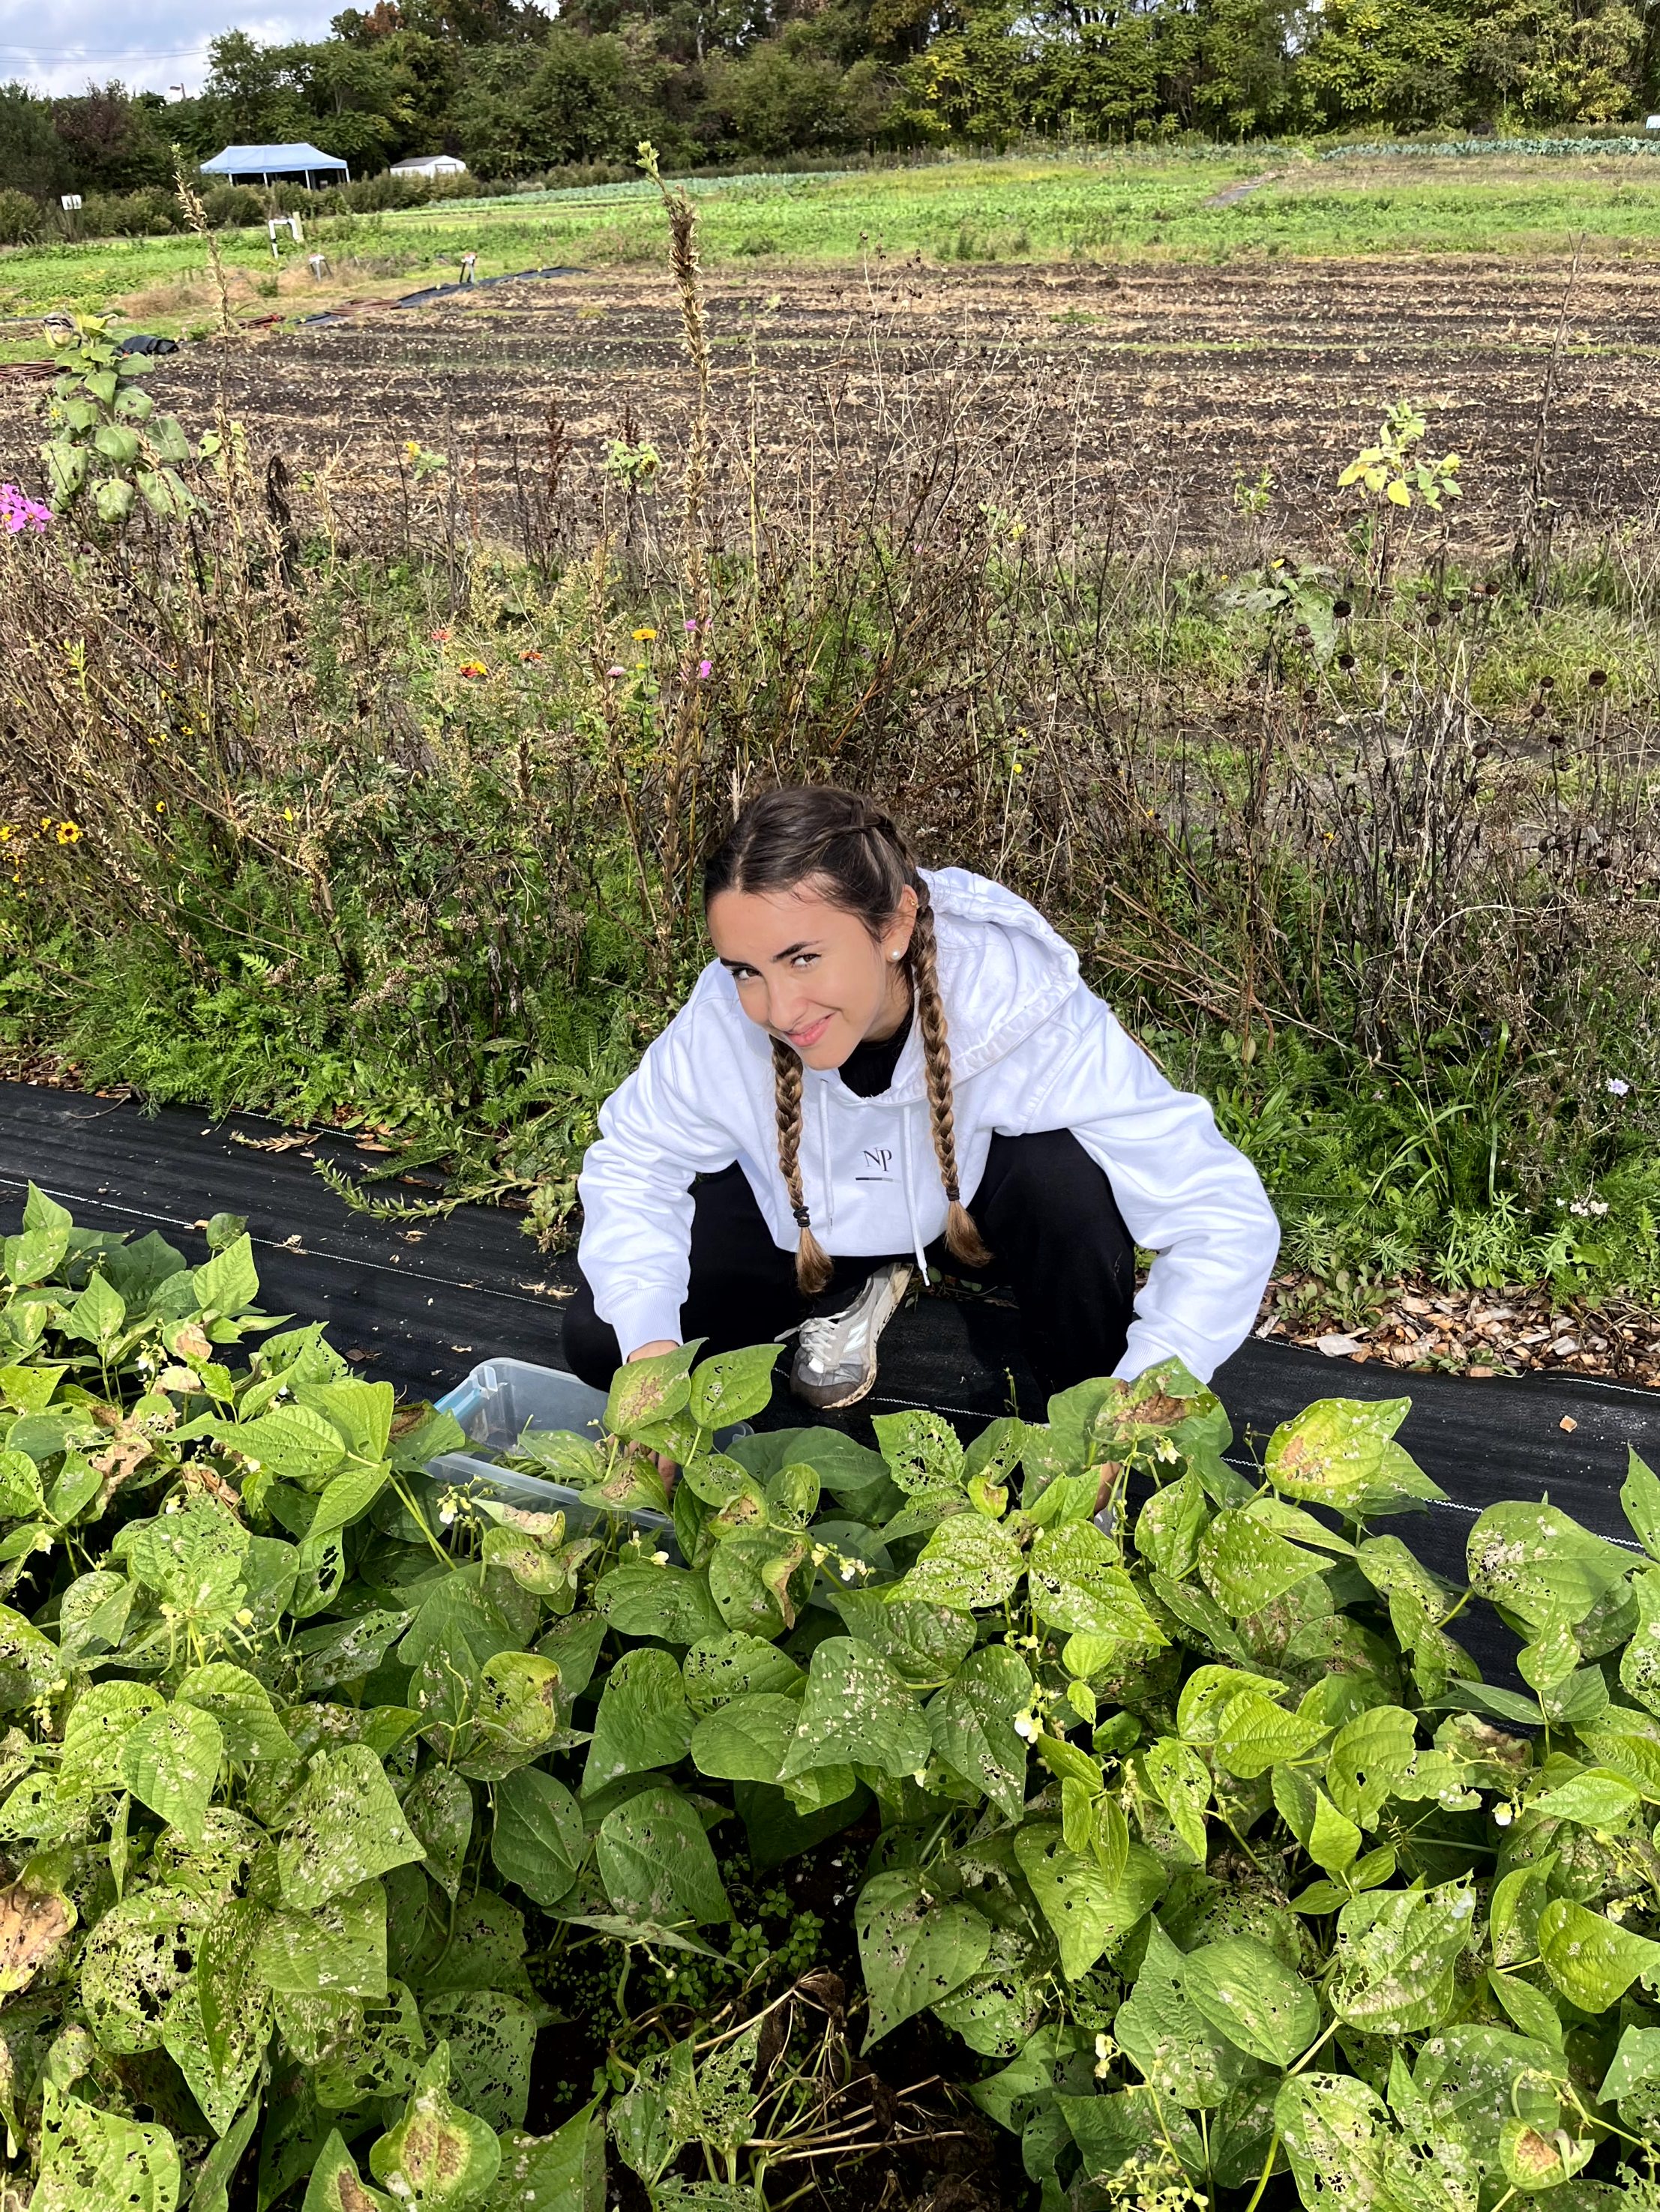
x,y
1414,1326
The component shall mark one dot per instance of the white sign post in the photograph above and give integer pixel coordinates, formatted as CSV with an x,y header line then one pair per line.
x,y
291,223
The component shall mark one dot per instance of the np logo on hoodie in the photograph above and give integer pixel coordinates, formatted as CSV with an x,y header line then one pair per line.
x,y
1031,1048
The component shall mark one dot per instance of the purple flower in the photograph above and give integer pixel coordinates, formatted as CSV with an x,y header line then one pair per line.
x,y
617,669
690,628
19,512
706,668
1617,1086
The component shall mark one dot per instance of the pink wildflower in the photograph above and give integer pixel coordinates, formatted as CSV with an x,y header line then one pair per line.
x,y
706,668
19,512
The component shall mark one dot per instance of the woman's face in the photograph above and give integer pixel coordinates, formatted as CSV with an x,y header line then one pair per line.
x,y
811,973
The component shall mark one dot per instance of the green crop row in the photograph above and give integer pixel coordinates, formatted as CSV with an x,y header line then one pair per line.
x,y
371,1842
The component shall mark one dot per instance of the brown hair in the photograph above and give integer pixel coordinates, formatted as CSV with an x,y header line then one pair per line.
x,y
846,845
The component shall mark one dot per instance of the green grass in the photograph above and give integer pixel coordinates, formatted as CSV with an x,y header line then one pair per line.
x,y
1115,209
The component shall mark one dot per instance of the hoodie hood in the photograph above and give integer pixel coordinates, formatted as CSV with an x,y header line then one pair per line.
x,y
1004,973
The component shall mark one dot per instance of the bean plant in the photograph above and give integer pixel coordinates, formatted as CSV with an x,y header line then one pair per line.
x,y
1186,1839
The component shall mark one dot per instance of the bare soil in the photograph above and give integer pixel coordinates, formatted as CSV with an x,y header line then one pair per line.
x,y
1124,395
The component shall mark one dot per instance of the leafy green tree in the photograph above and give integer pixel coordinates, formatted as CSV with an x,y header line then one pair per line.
x,y
32,157
1550,62
1405,64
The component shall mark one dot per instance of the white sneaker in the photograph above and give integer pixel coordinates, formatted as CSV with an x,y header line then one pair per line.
x,y
836,1353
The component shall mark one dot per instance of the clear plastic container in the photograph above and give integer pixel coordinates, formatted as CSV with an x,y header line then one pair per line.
x,y
495,1404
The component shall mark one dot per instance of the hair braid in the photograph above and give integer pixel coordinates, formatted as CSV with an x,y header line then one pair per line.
x,y
812,1262
962,1237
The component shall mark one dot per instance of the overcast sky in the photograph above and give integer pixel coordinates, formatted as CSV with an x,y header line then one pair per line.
x,y
56,46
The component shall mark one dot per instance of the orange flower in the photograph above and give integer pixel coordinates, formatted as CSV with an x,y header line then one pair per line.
x,y
472,668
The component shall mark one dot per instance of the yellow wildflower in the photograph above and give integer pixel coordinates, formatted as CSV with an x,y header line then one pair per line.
x,y
69,833
645,636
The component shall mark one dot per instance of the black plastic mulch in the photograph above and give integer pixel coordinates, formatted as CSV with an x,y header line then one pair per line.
x,y
431,292
420,1304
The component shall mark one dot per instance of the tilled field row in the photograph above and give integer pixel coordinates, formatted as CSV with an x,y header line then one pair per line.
x,y
1077,387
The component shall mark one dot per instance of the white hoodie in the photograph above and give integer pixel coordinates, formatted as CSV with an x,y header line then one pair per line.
x,y
1031,1048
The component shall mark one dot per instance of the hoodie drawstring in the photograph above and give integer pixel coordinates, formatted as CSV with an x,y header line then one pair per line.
x,y
825,1177
911,1195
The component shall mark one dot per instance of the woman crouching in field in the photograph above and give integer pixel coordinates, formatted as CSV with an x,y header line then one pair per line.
x,y
885,1067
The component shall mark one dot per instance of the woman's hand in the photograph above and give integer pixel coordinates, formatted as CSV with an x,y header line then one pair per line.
x,y
665,1466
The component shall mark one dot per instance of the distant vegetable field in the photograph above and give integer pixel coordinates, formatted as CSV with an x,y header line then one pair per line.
x,y
1125,208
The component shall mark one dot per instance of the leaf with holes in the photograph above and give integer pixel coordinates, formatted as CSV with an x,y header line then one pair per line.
x,y
1169,1525
438,1807
1639,1662
95,1733
1366,1758
1332,1451
340,1950
1180,2055
193,1560
733,1387
1330,2124
643,1720
924,1645
1077,1587
356,2051
1246,1567
1087,1913
336,2185
1397,1953
656,1863
93,2161
564,2171
968,1563
722,1667
971,1721
913,1949
1248,1993
135,1958
649,1391
240,1706
745,1740
1592,1961
1537,1563
220,2068
491,2035
170,1761
537,1841
344,1827
857,1712
1253,1735
439,2155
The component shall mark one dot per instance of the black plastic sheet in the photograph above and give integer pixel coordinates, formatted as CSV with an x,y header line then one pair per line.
x,y
421,1302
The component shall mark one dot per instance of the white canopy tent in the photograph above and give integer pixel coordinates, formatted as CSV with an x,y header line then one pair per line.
x,y
271,165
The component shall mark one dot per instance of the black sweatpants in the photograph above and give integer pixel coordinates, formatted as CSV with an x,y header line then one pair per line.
x,y
1045,1212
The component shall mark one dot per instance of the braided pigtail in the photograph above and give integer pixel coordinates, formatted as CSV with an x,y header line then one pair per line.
x,y
962,1237
812,1262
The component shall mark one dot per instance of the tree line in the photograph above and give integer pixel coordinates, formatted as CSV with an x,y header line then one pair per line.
x,y
517,92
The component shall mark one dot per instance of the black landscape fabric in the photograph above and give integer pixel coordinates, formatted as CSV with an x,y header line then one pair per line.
x,y
420,1303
